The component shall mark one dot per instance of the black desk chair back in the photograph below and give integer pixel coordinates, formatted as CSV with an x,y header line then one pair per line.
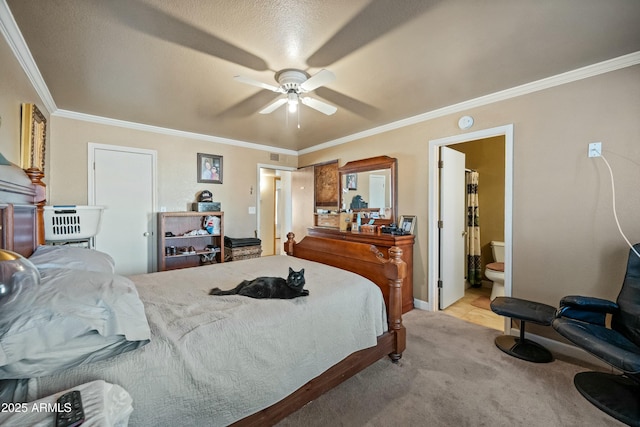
x,y
582,321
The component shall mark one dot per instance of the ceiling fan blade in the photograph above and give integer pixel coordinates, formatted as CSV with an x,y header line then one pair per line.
x,y
321,78
249,106
164,26
323,107
273,106
346,102
371,23
249,81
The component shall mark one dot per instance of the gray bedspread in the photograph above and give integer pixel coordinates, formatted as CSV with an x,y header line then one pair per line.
x,y
213,360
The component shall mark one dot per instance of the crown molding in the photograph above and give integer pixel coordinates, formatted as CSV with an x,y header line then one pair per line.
x,y
171,132
10,31
536,86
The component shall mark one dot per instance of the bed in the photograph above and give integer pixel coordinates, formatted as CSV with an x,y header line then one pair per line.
x,y
215,360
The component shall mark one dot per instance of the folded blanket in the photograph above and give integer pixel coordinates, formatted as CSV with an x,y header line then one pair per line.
x,y
231,242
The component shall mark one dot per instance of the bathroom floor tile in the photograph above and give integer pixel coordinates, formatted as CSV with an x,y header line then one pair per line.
x,y
463,309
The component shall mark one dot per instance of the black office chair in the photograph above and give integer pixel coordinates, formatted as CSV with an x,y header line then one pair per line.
x,y
582,321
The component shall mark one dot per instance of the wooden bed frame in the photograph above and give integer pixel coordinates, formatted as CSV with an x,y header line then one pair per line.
x,y
348,256
22,200
21,218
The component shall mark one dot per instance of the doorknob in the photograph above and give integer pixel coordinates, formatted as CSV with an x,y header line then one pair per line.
x,y
464,233
145,234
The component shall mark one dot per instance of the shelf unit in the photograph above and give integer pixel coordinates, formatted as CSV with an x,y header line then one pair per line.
x,y
180,223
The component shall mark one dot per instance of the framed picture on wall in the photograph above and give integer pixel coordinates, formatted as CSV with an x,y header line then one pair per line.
x,y
407,223
34,134
327,187
209,168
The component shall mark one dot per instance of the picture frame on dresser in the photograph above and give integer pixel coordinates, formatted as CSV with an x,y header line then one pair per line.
x,y
407,223
33,138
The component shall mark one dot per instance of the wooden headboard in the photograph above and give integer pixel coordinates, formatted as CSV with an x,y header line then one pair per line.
x,y
22,200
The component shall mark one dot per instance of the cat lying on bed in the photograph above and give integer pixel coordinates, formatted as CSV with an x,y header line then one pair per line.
x,y
269,287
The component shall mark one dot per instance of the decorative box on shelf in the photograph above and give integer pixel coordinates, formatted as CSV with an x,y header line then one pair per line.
x,y
340,220
368,228
205,207
237,254
243,248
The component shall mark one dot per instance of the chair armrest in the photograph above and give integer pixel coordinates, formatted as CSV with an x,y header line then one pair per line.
x,y
589,303
587,309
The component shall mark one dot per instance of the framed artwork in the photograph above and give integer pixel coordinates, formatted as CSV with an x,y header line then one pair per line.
x,y
34,135
407,223
352,181
209,168
327,187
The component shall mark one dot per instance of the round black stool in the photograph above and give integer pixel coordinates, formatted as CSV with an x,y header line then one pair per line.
x,y
525,311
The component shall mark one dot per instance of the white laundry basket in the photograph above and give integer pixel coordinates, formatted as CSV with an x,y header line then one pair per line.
x,y
69,223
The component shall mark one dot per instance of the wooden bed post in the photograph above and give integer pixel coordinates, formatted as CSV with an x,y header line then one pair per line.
x,y
40,199
395,270
288,245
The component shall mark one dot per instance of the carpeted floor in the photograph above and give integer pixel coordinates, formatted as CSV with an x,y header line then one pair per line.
x,y
452,374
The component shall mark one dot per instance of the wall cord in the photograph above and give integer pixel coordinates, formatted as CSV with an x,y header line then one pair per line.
x,y
615,214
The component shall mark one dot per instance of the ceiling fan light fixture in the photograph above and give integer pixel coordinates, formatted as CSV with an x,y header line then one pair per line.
x,y
292,101
293,84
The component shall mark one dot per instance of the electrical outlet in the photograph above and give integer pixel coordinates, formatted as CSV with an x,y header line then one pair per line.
x,y
252,210
595,149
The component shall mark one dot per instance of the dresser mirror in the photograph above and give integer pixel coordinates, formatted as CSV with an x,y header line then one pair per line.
x,y
369,186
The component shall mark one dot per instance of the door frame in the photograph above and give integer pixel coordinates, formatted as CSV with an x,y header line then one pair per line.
x,y
434,188
91,196
277,179
286,195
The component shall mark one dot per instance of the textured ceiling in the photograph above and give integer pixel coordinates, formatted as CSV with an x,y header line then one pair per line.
x,y
171,63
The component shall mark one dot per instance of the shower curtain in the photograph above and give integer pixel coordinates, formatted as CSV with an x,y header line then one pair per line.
x,y
474,264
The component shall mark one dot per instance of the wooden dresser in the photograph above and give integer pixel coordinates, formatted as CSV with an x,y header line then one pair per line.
x,y
383,242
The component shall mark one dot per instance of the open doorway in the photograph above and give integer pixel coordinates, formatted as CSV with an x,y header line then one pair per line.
x,y
274,211
501,135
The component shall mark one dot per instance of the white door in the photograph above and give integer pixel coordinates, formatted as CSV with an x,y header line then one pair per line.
x,y
452,227
124,182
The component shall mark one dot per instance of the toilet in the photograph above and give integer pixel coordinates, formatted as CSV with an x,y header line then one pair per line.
x,y
495,271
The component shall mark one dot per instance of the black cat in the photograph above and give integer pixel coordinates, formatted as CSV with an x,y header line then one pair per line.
x,y
269,287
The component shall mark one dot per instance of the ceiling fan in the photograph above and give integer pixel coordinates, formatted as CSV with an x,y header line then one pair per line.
x,y
294,84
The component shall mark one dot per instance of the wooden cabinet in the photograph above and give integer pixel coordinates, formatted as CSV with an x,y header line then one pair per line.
x,y
178,232
383,242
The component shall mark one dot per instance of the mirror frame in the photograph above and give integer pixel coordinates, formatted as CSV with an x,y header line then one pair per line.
x,y
372,164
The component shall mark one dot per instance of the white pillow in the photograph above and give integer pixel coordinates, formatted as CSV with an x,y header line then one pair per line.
x,y
73,317
76,258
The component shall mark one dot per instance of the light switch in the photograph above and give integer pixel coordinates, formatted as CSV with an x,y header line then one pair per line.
x,y
252,210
